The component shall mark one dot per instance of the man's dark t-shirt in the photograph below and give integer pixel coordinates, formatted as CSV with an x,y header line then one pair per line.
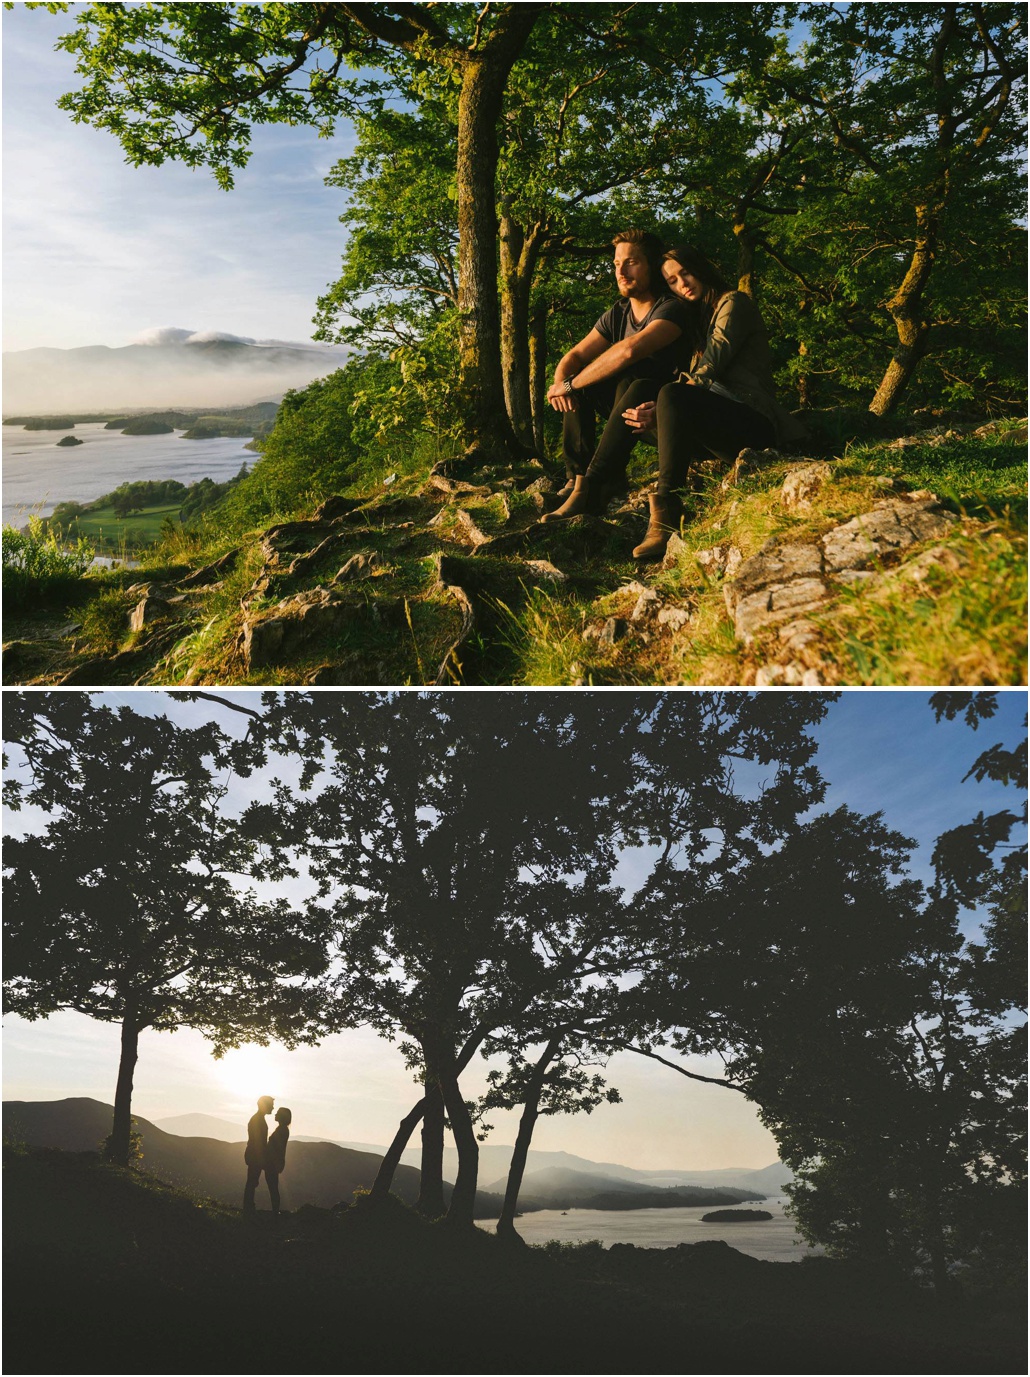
x,y
617,323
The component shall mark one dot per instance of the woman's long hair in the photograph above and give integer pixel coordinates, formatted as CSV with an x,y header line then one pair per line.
x,y
715,286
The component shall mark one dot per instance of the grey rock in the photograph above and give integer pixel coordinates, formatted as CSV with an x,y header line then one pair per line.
x,y
360,566
674,551
776,565
802,483
148,610
607,632
648,605
891,526
799,633
544,569
614,629
769,605
673,618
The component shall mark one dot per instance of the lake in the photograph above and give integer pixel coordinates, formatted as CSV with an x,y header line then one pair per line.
x,y
772,1240
37,474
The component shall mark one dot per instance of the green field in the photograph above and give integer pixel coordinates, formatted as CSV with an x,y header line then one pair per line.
x,y
113,532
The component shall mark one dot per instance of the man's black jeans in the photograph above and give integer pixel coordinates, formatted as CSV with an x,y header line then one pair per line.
x,y
609,399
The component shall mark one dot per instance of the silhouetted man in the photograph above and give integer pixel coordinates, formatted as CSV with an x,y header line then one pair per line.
x,y
256,1155
637,346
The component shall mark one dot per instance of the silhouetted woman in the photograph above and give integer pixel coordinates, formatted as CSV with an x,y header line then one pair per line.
x,y
724,402
275,1157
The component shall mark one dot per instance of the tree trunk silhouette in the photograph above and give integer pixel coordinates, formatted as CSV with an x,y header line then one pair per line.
x,y
430,1195
388,1166
121,1129
463,1198
538,371
906,307
530,1114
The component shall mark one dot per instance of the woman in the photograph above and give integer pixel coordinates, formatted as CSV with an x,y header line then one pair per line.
x,y
723,403
275,1154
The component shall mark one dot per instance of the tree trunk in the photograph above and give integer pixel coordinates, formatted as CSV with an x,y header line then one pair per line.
x,y
538,372
388,1166
119,1143
430,1195
906,307
530,1113
519,254
745,252
463,1198
484,77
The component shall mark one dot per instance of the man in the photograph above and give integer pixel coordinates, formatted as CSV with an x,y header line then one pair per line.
x,y
636,347
256,1155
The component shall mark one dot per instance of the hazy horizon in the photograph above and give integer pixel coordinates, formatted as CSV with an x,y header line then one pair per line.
x,y
204,369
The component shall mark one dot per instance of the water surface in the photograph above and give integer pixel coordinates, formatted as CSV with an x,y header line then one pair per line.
x,y
38,475
772,1240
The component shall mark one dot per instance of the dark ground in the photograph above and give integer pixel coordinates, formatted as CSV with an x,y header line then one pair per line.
x,y
112,1272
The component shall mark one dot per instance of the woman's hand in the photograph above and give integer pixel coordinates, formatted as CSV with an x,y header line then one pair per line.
x,y
640,417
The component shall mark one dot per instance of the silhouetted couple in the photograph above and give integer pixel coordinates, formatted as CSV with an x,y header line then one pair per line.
x,y
680,355
265,1154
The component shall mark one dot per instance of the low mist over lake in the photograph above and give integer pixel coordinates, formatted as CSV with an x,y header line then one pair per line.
x,y
38,475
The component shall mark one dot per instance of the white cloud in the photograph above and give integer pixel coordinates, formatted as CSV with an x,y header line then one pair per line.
x,y
163,334
218,337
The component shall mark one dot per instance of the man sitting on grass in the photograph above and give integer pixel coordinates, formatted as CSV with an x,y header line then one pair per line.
x,y
634,349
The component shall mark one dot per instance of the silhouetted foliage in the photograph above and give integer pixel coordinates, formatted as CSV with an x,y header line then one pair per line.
x,y
129,906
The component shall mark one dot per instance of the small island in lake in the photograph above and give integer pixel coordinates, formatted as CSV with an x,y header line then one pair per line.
x,y
735,1216
69,440
147,425
50,423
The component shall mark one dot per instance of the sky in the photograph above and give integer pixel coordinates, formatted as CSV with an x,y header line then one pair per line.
x,y
98,252
879,750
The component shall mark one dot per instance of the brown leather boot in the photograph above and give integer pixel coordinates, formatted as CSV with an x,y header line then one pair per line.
x,y
576,503
666,511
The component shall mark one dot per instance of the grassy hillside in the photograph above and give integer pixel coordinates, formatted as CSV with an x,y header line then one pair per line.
x,y
898,560
114,1272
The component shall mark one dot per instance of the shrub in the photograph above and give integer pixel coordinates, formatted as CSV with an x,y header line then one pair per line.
x,y
36,566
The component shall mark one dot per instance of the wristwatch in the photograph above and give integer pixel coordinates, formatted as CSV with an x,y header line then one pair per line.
x,y
567,387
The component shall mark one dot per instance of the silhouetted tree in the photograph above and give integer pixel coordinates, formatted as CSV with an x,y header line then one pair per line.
x,y
128,905
454,842
885,1053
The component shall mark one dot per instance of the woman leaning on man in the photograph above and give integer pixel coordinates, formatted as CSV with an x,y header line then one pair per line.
x,y
723,403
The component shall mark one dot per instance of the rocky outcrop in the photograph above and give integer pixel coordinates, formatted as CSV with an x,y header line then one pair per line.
x,y
785,579
69,441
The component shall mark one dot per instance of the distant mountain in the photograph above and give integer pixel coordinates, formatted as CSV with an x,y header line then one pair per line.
x,y
558,1188
203,1126
316,1173
495,1158
218,373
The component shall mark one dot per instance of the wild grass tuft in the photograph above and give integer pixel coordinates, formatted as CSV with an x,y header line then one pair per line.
x,y
37,568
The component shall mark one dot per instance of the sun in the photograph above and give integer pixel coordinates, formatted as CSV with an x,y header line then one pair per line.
x,y
249,1072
